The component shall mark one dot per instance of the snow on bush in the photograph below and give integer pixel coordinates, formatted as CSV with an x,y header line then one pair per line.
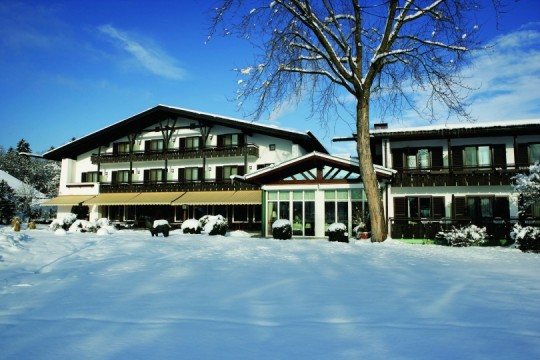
x,y
338,232
60,232
83,226
63,223
214,224
191,226
102,231
527,238
528,185
470,235
160,222
282,229
337,227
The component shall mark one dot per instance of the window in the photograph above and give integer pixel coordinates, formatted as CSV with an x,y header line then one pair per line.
x,y
225,172
121,148
230,140
534,153
190,143
477,156
295,206
477,208
417,158
154,175
120,176
190,174
153,146
336,207
419,207
91,176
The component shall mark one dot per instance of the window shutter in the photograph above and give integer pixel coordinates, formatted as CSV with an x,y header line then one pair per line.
x,y
182,143
437,158
200,174
241,139
181,175
146,178
219,172
499,156
457,157
438,207
201,143
522,155
400,207
397,159
147,146
460,207
164,175
501,207
115,148
241,170
114,177
220,140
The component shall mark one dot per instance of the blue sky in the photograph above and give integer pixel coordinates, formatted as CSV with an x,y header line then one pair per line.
x,y
72,67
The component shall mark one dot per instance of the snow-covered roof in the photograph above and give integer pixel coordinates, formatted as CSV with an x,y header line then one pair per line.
x,y
461,125
158,113
19,186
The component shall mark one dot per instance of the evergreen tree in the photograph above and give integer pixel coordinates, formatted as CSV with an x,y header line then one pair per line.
x,y
8,202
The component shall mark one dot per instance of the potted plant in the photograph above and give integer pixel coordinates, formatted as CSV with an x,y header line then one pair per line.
x,y
338,232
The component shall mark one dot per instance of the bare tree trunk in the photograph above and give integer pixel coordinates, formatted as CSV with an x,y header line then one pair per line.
x,y
379,231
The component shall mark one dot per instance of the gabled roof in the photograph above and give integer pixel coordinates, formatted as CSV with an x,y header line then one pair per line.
x,y
158,113
305,163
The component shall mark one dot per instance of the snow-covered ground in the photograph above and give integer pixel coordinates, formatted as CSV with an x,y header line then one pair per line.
x,y
130,296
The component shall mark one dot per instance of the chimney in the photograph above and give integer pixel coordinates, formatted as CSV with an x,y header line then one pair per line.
x,y
380,126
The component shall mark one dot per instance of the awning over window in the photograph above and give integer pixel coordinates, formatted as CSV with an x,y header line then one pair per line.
x,y
155,198
248,197
67,200
111,199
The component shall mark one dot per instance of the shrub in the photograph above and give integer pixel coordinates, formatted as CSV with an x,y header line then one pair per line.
x,y
214,224
527,238
338,232
63,223
470,235
191,226
282,229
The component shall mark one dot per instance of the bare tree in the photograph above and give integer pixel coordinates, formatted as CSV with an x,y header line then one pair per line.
x,y
373,50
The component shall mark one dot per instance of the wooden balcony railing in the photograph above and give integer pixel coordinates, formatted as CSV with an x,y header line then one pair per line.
x,y
207,185
251,150
455,177
414,228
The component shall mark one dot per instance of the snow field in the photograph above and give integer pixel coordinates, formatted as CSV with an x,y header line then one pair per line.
x,y
127,295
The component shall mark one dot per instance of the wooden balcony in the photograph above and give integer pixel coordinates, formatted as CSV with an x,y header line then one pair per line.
x,y
451,177
174,186
250,150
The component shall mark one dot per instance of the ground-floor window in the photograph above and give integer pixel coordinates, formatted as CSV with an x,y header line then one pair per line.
x,y
348,206
296,206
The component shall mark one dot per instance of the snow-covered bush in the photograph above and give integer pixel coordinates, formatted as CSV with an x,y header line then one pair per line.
x,y
282,229
338,232
63,223
527,238
528,185
470,235
83,226
214,224
191,226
